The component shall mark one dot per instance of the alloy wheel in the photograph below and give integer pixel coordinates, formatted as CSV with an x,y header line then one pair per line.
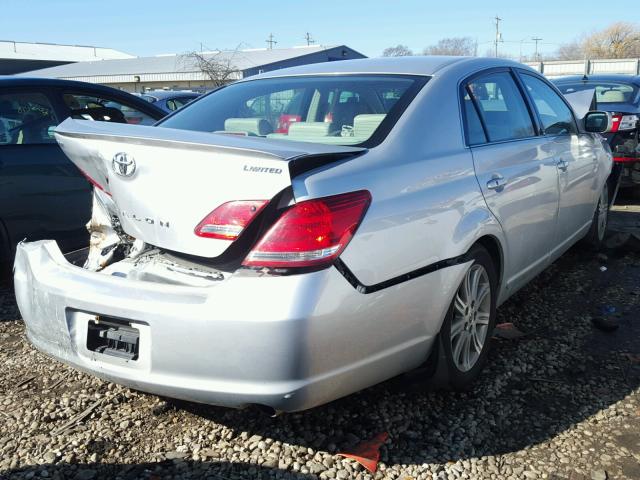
x,y
603,212
471,315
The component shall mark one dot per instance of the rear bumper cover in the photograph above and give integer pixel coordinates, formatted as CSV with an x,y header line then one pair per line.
x,y
288,342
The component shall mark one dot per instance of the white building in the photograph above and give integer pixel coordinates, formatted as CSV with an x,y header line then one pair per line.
x,y
181,71
18,57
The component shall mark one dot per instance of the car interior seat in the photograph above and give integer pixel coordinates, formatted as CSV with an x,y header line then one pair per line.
x,y
344,113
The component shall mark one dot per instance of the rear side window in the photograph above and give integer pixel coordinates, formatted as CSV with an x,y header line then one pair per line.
x,y
94,107
556,117
501,106
26,118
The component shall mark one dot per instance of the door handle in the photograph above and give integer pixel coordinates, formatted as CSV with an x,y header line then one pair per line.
x,y
497,182
563,165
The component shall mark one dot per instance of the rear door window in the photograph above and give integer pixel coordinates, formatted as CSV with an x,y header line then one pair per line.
x,y
95,107
26,118
555,115
501,106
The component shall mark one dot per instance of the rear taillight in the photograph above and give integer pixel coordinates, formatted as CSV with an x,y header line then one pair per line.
x,y
229,220
311,233
621,123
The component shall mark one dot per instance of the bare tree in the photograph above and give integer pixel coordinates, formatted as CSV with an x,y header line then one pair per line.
x,y
618,40
457,46
219,66
397,51
491,52
570,51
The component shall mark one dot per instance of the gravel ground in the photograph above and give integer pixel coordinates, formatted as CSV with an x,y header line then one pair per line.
x,y
560,402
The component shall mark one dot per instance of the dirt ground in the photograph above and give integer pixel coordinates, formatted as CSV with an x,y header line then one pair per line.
x,y
559,401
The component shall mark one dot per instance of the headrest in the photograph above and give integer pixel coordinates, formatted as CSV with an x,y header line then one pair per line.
x,y
364,125
252,126
309,129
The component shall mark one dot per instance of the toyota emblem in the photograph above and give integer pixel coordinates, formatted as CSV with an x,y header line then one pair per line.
x,y
123,164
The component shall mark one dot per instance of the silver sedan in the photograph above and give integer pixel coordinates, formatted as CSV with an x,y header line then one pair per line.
x,y
298,236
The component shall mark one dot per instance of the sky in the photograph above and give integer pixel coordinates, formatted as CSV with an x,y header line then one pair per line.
x,y
150,28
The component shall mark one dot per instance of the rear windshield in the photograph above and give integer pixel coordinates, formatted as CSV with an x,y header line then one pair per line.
x,y
606,92
339,110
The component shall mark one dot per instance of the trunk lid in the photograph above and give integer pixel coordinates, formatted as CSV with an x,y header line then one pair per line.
x,y
163,181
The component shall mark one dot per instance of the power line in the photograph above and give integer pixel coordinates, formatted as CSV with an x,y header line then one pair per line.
x,y
536,39
309,39
270,41
498,34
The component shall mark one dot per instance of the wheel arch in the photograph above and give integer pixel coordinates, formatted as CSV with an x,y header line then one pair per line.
x,y
494,247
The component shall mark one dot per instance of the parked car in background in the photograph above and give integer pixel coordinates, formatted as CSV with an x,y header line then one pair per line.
x,y
287,267
43,194
169,100
619,95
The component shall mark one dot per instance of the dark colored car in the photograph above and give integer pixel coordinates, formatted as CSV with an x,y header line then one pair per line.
x,y
619,95
169,100
43,194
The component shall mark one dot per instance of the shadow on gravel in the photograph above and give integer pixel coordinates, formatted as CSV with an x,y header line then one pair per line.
x,y
8,308
155,471
561,372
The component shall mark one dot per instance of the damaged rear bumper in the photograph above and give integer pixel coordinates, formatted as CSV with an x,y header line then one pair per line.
x,y
287,342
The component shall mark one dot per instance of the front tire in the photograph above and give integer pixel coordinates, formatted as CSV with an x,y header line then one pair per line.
x,y
465,336
595,237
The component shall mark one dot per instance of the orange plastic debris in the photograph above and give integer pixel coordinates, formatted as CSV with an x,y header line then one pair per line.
x,y
367,453
507,331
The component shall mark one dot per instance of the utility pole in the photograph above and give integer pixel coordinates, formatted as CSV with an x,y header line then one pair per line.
x,y
270,41
536,39
498,34
309,39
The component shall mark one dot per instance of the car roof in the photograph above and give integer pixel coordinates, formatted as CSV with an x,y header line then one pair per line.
x,y
411,65
14,81
621,78
163,94
11,81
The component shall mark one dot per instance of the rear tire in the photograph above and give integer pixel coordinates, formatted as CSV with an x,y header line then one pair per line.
x,y
465,336
595,237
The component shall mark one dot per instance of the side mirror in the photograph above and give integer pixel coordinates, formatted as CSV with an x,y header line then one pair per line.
x,y
597,122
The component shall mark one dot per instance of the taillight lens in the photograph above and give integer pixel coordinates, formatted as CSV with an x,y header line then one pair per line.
x,y
311,233
620,122
229,220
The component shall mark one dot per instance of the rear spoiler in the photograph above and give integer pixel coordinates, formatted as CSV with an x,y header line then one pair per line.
x,y
300,156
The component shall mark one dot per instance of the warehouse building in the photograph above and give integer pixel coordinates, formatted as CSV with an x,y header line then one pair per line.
x,y
16,57
183,71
